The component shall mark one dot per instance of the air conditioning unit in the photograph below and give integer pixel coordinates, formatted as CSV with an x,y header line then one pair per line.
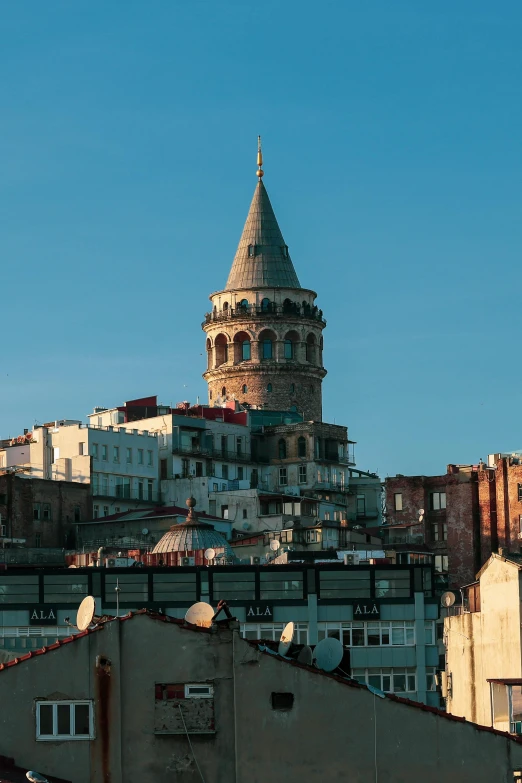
x,y
350,560
255,560
188,561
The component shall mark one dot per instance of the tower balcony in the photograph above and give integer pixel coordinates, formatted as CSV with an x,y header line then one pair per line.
x,y
273,310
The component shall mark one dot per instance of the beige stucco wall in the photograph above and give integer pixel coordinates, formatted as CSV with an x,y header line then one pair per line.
x,y
485,645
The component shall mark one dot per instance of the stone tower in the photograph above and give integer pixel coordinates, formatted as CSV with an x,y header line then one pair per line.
x,y
264,332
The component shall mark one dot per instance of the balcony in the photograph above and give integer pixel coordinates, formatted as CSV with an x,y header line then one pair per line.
x,y
273,311
228,455
397,537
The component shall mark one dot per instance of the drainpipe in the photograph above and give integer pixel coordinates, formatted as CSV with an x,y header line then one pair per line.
x,y
100,553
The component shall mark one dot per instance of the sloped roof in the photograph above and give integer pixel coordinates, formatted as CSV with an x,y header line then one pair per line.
x,y
267,264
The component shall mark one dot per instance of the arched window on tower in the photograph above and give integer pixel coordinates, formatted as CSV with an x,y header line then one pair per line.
x,y
290,344
209,354
266,305
282,448
269,387
245,389
310,348
242,347
223,391
225,306
267,340
243,305
221,344
301,446
289,349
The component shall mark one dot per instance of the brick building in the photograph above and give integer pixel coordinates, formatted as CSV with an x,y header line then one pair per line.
x,y
41,512
449,527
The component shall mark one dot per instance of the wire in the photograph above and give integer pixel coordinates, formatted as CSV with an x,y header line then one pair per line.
x,y
190,744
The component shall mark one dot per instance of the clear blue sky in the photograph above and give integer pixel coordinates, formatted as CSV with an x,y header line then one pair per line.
x,y
392,142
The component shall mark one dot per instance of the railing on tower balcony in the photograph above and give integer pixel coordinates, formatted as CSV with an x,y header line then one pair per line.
x,y
294,310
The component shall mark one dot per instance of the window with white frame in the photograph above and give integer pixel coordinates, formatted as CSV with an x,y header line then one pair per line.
x,y
64,720
140,456
104,452
397,499
128,456
429,632
302,474
379,633
437,501
94,450
283,477
431,685
115,453
150,457
273,631
388,680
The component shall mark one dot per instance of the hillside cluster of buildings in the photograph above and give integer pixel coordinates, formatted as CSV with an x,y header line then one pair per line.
x,y
253,503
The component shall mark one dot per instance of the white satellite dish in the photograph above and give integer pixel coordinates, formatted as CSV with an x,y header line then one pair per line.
x,y
85,613
210,554
274,545
35,777
421,512
328,654
305,656
145,531
285,642
200,614
447,599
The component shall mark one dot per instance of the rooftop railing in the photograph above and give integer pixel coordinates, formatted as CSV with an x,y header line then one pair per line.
x,y
272,311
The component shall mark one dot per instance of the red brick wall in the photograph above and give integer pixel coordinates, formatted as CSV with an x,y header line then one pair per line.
x,y
18,496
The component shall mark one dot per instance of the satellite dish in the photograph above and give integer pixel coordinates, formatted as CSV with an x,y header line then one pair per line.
x,y
210,554
328,654
274,545
200,614
35,777
285,642
85,613
420,512
145,531
447,599
305,656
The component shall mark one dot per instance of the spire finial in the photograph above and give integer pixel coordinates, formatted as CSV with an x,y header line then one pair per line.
x,y
260,171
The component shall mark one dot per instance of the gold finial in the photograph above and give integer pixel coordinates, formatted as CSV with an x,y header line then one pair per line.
x,y
260,171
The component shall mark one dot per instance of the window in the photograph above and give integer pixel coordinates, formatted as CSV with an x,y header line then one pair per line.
x,y
288,349
265,305
150,458
431,685
435,531
245,350
429,632
239,446
282,701
55,454
64,720
251,251
243,305
392,584
115,453
224,471
81,448
245,389
106,511
398,501
272,631
266,349
36,511
444,531
302,474
437,501
224,512
388,680
361,505
279,584
104,453
441,564
383,633
199,691
128,456
140,490
94,450
150,487
281,446
237,585
38,540
301,446
95,512
240,473
283,478
140,456
185,467
163,469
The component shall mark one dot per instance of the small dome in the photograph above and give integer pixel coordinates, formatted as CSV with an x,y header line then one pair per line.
x,y
192,535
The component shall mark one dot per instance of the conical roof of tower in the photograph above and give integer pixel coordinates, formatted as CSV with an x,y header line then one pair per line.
x,y
262,258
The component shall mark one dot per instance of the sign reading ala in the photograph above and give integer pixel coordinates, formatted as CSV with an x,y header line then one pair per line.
x,y
43,615
254,614
366,609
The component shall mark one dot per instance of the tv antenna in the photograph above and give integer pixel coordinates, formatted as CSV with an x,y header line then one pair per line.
x,y
200,614
210,554
85,615
285,642
328,654
305,656
447,599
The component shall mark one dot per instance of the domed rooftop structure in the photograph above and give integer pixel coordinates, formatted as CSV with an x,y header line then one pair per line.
x,y
192,535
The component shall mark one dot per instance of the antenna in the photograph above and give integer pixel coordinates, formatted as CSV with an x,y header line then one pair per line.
x,y
305,656
447,599
328,654
210,554
85,615
200,614
274,545
35,777
285,642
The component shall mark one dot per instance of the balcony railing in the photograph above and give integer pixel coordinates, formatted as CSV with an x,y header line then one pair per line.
x,y
273,310
133,495
402,538
231,455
